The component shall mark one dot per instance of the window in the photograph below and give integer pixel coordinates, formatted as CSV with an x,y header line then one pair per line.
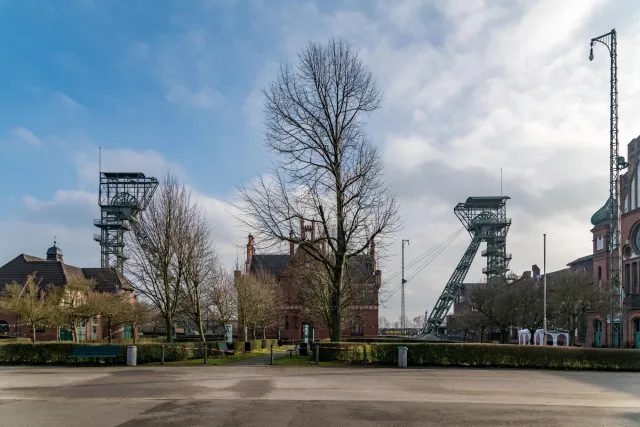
x,y
627,278
599,273
358,328
633,193
4,327
634,274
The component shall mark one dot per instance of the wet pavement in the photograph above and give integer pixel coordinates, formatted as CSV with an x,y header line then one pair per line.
x,y
231,395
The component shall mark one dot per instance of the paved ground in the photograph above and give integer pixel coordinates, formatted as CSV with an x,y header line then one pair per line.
x,y
231,395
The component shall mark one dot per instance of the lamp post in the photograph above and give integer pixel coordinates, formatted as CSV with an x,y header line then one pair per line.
x,y
616,163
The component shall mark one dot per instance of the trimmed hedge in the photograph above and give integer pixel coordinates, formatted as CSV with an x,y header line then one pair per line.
x,y
57,353
485,355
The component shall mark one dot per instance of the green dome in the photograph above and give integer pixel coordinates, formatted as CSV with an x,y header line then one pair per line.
x,y
602,215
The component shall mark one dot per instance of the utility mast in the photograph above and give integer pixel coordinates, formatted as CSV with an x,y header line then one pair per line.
x,y
403,317
616,163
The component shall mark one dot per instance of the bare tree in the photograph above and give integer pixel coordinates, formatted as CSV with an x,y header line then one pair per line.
x,y
314,291
156,263
327,172
472,322
246,295
222,303
497,300
202,268
529,305
572,295
383,323
31,301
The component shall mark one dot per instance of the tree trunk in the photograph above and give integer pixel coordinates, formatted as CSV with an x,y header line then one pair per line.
x,y
264,333
169,326
503,335
109,326
33,330
482,334
336,302
134,332
201,332
74,333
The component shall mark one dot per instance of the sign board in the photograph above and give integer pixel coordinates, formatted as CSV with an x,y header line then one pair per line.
x,y
229,333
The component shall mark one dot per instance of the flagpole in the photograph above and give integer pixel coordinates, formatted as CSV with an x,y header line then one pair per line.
x,y
544,284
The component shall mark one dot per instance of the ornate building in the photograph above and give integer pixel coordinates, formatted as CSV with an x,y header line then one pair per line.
x,y
601,325
53,271
294,324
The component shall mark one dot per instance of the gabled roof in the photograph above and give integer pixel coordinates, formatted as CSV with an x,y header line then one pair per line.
x,y
359,267
57,273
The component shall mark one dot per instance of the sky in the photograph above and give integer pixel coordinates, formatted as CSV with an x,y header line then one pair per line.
x,y
471,87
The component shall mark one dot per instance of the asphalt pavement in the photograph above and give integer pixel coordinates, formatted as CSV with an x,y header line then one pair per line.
x,y
313,396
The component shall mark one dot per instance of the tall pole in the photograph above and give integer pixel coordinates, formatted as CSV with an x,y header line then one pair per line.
x,y
616,163
403,318
544,284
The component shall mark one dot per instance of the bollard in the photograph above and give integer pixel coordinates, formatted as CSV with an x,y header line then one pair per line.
x,y
205,354
162,361
317,349
272,354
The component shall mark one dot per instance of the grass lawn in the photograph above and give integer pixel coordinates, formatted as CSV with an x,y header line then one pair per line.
x,y
217,360
303,361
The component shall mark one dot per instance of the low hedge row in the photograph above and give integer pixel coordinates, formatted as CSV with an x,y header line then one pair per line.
x,y
58,353
485,355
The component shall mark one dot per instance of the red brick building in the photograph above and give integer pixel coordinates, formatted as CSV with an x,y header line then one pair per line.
x,y
53,271
293,323
600,326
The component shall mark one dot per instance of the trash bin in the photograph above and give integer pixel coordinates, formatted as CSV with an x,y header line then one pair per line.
x,y
402,357
247,346
132,355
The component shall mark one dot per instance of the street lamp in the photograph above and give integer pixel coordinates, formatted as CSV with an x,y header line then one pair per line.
x,y
615,165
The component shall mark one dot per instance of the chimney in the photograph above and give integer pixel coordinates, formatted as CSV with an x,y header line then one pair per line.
x,y
250,252
536,271
373,255
302,230
291,244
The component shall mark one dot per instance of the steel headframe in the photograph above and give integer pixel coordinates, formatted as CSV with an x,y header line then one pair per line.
x,y
122,196
616,163
485,218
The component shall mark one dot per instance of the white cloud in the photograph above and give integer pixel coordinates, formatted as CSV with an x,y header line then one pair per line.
x,y
28,136
204,97
66,100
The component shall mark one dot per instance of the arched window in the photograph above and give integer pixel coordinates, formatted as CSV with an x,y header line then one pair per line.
x,y
562,340
627,278
4,327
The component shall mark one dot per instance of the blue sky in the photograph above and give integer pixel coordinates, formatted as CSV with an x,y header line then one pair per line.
x,y
470,87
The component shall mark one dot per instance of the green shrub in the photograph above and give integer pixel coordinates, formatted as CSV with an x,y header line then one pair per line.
x,y
485,355
57,353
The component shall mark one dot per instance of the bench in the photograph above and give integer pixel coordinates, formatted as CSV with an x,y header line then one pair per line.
x,y
292,350
95,351
224,349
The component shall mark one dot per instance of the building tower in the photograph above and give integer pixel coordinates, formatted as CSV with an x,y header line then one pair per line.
x,y
122,196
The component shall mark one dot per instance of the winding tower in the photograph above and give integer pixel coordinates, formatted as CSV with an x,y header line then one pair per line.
x,y
485,218
122,197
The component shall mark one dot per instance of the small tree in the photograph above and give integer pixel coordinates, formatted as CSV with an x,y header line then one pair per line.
x,y
222,302
139,313
498,302
268,311
73,308
529,305
110,307
572,295
31,301
246,295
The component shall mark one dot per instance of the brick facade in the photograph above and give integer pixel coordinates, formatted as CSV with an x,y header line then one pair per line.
x,y
292,325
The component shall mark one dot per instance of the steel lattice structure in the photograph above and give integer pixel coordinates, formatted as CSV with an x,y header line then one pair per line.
x,y
485,218
616,163
122,196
